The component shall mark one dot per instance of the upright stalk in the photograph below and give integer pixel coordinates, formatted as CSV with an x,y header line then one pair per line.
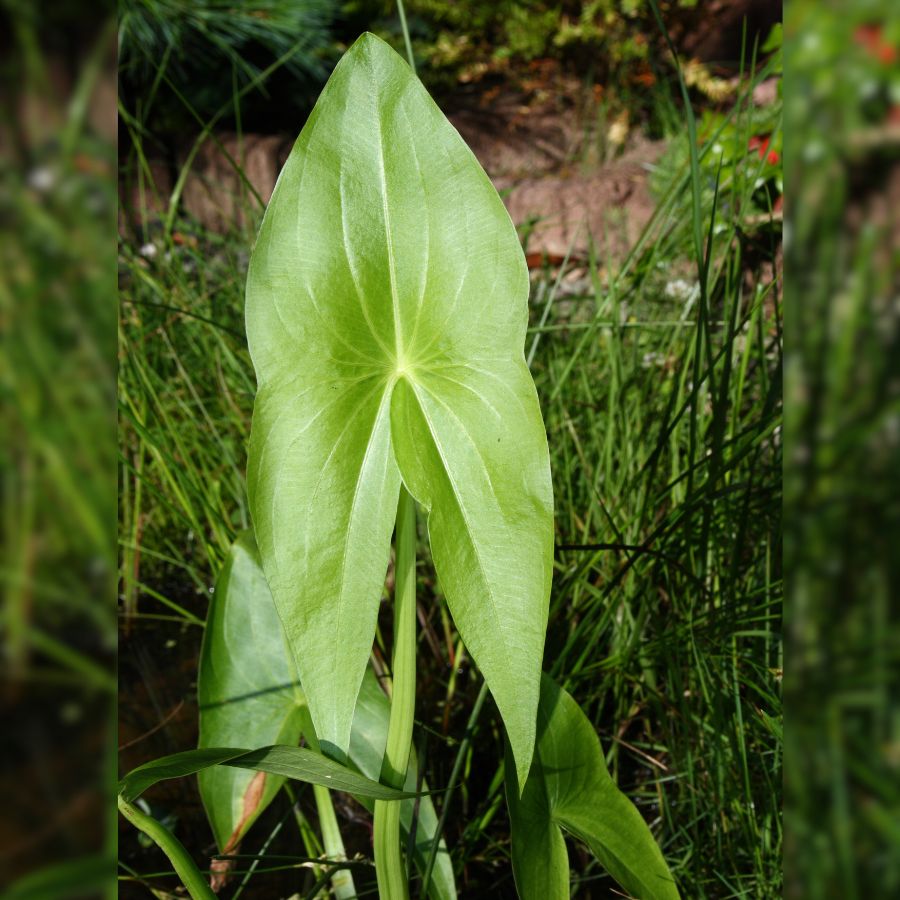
x,y
184,865
389,866
405,29
341,879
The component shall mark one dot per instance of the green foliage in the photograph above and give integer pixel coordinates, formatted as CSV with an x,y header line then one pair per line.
x,y
740,151
386,313
849,62
616,29
663,406
57,206
185,42
182,862
57,452
692,666
569,789
69,880
843,467
182,496
742,160
248,691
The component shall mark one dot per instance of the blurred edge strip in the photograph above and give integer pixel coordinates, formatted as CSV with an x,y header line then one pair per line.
x,y
58,314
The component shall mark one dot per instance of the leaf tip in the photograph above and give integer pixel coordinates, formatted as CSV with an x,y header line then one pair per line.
x,y
522,764
375,48
519,753
334,751
369,43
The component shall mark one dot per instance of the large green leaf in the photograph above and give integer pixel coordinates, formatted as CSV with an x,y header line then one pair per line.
x,y
367,743
297,763
569,789
248,692
386,316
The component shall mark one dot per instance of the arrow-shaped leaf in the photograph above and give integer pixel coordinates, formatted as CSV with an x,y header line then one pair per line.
x,y
569,789
386,315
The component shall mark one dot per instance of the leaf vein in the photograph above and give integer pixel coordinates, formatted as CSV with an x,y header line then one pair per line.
x,y
385,207
466,520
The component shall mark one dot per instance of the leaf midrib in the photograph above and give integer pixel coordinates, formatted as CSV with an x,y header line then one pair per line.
x,y
392,274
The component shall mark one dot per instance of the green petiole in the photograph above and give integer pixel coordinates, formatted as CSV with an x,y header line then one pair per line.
x,y
389,865
191,877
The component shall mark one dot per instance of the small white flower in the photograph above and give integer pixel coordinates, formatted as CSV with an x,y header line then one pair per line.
x,y
679,289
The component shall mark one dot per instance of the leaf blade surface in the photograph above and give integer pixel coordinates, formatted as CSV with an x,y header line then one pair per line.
x,y
386,316
296,763
248,691
455,440
569,788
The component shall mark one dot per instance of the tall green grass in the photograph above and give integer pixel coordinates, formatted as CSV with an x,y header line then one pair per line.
x,y
660,384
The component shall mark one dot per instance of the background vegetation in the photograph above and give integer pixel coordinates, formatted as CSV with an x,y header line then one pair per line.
x,y
660,381
616,43
58,552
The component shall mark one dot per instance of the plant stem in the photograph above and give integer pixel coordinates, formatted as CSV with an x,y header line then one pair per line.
x,y
405,29
341,879
181,860
389,866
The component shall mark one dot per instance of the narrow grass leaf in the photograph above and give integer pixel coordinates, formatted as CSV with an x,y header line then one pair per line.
x,y
297,763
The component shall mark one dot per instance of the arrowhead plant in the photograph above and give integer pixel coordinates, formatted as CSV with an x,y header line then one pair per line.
x,y
386,314
570,790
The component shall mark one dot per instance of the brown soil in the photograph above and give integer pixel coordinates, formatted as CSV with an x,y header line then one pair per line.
x,y
543,161
609,205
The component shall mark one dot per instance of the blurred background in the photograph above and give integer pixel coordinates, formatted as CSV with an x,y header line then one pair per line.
x,y
57,376
653,231
842,436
